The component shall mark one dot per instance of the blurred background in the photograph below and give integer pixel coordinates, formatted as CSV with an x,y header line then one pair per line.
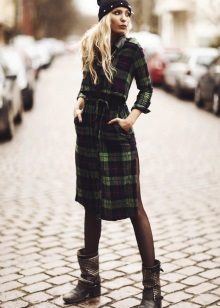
x,y
180,23
180,40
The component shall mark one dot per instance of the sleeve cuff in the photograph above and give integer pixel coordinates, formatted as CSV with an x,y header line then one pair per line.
x,y
81,95
141,108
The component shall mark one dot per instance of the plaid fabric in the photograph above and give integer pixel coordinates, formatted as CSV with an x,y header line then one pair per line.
x,y
106,161
129,62
107,167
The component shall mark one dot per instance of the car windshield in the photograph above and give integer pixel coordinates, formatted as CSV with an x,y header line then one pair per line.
x,y
184,58
172,56
205,59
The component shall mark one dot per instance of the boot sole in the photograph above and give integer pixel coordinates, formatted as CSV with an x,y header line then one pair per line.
x,y
96,292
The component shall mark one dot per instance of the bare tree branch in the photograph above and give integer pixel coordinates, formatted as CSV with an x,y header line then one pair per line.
x,y
53,18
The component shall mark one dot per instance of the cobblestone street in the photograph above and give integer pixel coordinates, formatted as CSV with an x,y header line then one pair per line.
x,y
41,226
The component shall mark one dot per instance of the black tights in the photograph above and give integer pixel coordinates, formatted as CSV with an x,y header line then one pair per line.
x,y
142,229
92,232
141,225
144,236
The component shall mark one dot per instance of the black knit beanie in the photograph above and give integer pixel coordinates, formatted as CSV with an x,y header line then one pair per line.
x,y
106,6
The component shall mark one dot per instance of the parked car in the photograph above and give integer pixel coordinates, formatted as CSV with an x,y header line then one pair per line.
x,y
11,106
38,54
46,58
158,61
25,79
183,76
56,47
150,42
26,45
207,93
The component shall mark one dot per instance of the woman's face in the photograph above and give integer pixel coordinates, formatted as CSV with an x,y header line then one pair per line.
x,y
120,19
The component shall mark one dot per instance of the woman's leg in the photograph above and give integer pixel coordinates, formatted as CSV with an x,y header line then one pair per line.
x,y
142,229
151,296
89,282
150,266
144,236
92,233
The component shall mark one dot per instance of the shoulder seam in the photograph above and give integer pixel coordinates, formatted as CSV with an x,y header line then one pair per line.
x,y
134,42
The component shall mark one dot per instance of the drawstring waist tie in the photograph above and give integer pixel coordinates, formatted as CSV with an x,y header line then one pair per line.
x,y
104,105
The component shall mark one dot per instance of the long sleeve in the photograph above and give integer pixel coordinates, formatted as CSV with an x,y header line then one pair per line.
x,y
82,87
143,82
80,94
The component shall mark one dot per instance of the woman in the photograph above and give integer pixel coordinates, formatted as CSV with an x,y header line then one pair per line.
x,y
107,164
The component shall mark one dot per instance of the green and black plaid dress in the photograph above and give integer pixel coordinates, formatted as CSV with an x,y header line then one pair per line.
x,y
107,167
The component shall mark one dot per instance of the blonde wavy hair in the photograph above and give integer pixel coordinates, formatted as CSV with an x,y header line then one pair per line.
x,y
96,42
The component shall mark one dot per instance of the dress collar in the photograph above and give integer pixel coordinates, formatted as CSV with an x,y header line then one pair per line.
x,y
120,42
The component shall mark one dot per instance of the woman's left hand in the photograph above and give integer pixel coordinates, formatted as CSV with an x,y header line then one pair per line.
x,y
124,123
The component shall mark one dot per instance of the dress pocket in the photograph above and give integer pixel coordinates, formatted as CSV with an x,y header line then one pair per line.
x,y
123,113
123,131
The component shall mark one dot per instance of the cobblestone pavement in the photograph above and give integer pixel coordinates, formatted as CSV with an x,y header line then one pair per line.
x,y
41,226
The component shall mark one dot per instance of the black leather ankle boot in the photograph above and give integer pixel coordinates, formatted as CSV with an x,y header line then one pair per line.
x,y
89,282
152,291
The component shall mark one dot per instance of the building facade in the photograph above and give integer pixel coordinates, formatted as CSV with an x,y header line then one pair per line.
x,y
176,22
188,23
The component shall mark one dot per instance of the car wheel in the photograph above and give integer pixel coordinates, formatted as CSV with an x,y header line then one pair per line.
x,y
216,103
197,98
18,118
29,100
9,132
178,90
166,87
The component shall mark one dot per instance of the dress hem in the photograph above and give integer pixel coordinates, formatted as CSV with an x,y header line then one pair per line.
x,y
130,212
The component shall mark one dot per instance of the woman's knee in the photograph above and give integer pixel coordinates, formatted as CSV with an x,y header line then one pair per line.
x,y
90,215
140,213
